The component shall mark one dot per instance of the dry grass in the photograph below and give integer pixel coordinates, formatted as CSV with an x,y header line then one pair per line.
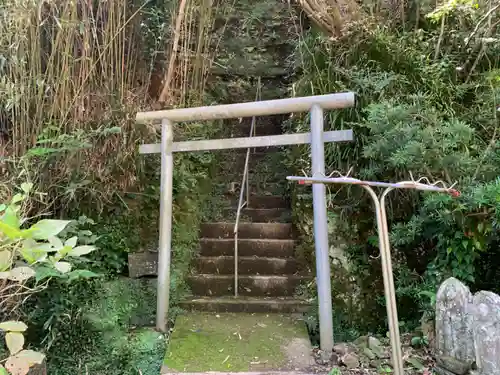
x,y
192,51
70,71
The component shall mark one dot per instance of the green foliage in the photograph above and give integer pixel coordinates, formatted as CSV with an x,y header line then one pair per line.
x,y
55,142
97,319
426,106
30,257
37,251
419,341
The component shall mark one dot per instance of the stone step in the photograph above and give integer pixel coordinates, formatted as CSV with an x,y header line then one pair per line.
x,y
221,285
256,161
247,230
142,264
256,176
247,247
259,215
253,265
262,201
246,304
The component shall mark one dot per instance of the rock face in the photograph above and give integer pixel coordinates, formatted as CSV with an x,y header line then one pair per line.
x,y
454,337
487,332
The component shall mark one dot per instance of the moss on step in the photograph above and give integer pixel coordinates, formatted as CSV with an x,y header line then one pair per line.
x,y
234,342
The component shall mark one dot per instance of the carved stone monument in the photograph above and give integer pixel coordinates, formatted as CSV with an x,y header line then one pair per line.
x,y
487,332
454,328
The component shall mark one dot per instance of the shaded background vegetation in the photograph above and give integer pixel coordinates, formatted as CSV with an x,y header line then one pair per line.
x,y
428,84
72,77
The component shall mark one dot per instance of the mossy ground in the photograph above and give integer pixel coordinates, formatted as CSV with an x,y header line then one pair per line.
x,y
203,342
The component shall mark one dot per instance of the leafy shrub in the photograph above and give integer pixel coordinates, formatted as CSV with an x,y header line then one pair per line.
x,y
30,256
425,106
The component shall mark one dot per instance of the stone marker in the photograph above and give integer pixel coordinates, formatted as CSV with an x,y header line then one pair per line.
x,y
454,336
487,332
142,264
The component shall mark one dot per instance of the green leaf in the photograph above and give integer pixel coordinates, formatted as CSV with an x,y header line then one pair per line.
x,y
56,243
45,229
3,371
26,187
10,218
17,198
10,231
416,341
71,242
81,274
13,326
63,267
2,207
5,260
32,256
14,341
41,151
40,246
81,250
45,272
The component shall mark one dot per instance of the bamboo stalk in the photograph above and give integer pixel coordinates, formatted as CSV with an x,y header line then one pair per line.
x,y
173,56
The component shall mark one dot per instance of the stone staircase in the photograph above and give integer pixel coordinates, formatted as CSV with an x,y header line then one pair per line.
x,y
258,41
268,273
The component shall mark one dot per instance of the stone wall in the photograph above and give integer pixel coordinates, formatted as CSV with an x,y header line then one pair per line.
x,y
467,330
255,39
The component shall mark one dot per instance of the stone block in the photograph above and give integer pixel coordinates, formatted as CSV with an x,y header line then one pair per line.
x,y
454,336
487,332
142,264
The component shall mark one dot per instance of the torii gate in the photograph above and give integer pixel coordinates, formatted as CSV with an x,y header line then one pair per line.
x,y
317,137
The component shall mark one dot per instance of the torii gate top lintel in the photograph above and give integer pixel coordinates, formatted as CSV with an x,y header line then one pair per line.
x,y
250,109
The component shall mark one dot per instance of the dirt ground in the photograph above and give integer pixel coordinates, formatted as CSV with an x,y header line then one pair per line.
x,y
371,356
